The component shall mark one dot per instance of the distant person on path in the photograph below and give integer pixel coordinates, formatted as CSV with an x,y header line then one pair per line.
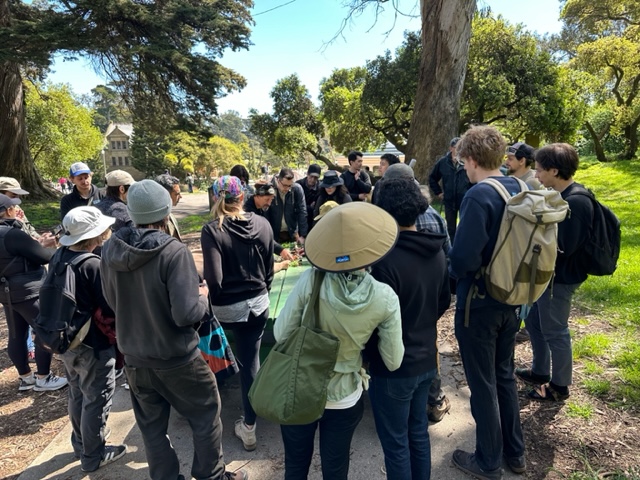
x,y
548,321
288,211
399,398
356,179
171,185
83,193
455,183
190,182
487,337
311,188
150,280
115,202
519,163
332,189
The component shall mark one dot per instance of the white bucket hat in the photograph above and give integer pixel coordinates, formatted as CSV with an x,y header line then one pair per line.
x,y
82,223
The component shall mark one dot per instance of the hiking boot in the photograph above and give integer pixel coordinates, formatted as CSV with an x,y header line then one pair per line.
x,y
26,383
111,454
439,410
522,336
239,475
246,434
467,462
527,376
49,383
516,464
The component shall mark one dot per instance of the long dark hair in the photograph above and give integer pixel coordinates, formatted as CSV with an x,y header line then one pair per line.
x,y
338,196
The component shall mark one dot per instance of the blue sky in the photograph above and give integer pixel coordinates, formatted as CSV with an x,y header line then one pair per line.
x,y
293,39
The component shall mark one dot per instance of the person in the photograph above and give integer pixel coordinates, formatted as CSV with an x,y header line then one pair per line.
x,y
352,305
22,272
310,187
189,181
114,203
238,267
455,184
548,321
10,187
241,172
386,160
355,179
288,211
487,336
519,163
171,185
89,365
399,398
150,280
83,193
331,189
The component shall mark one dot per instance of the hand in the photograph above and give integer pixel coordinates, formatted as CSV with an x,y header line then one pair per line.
x,y
286,254
300,240
362,196
284,265
203,289
47,240
357,175
441,196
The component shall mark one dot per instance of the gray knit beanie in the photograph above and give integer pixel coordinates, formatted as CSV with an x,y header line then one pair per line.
x,y
148,202
398,170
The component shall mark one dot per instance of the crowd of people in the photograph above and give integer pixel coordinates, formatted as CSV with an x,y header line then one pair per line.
x,y
391,265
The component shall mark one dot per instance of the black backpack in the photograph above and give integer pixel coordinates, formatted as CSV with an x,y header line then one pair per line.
x,y
59,320
602,249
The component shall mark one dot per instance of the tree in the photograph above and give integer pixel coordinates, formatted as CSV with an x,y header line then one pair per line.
x,y
218,157
109,107
160,55
60,131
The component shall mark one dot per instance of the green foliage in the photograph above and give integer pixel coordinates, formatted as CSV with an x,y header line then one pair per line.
x,y
193,223
42,215
597,387
218,157
60,130
591,345
109,107
579,410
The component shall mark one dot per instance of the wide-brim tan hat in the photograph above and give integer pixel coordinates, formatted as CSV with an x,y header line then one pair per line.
x,y
82,223
350,237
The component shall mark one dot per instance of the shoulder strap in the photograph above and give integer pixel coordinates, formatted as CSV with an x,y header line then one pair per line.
x,y
312,312
502,190
79,259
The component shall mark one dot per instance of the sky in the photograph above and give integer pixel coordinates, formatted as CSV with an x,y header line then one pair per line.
x,y
295,36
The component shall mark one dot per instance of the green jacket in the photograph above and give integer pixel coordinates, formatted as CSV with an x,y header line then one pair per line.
x,y
351,308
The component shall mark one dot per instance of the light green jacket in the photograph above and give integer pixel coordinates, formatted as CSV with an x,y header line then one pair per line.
x,y
351,308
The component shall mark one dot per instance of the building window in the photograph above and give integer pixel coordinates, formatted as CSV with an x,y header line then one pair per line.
x,y
118,143
113,145
119,160
124,145
126,160
113,161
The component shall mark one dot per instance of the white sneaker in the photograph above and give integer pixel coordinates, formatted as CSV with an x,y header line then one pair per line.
x,y
49,383
111,454
27,383
247,435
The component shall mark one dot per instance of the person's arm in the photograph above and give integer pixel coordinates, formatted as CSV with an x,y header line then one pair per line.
x,y
290,316
574,230
90,268
471,238
349,182
390,343
19,243
444,300
268,255
212,261
434,179
187,305
364,182
301,207
65,205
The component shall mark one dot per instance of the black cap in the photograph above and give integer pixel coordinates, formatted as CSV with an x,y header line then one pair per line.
x,y
314,169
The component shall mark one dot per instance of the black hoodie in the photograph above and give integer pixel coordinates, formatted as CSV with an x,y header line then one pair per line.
x,y
416,269
238,259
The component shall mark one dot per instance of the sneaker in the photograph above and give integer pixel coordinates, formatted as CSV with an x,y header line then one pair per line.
x,y
527,376
516,464
111,454
239,475
119,372
467,462
247,435
438,411
49,383
107,434
26,383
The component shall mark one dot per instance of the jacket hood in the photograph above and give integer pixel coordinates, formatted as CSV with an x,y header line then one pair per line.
x,y
350,291
131,248
422,243
244,230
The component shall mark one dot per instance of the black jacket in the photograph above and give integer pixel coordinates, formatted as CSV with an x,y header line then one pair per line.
x,y
310,197
455,182
250,207
74,199
293,208
116,208
416,269
356,187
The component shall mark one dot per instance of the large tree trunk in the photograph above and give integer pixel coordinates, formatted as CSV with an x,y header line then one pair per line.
x,y
446,31
597,144
631,136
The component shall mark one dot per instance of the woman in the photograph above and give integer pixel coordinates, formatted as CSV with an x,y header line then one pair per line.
x,y
90,363
237,249
331,188
352,306
22,261
239,171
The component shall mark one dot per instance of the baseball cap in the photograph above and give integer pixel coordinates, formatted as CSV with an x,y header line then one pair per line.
x,y
12,185
78,168
314,169
6,202
117,178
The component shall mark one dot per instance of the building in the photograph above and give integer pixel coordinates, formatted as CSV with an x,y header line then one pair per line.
x,y
117,151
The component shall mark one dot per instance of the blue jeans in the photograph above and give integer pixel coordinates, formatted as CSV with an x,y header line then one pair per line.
x,y
400,412
548,327
487,347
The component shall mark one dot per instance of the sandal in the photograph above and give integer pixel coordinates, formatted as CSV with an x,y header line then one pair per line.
x,y
546,393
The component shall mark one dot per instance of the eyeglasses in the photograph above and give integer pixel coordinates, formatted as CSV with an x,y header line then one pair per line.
x,y
286,185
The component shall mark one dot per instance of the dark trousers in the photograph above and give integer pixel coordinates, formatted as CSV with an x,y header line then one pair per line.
x,y
247,337
18,321
92,381
487,347
336,432
192,390
451,216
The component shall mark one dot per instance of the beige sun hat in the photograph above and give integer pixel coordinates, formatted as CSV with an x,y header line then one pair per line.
x,y
325,208
350,237
82,223
117,178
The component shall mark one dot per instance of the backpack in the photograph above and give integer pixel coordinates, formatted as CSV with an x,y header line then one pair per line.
x,y
523,260
60,323
602,249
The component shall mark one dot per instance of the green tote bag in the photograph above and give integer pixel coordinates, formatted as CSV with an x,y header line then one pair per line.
x,y
291,385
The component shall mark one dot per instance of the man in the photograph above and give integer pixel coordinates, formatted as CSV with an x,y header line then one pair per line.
x,y
486,336
171,185
190,182
519,162
355,179
386,161
83,193
150,280
311,190
399,398
548,321
114,203
455,184
288,211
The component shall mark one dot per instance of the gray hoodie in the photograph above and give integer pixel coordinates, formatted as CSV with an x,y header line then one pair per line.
x,y
150,281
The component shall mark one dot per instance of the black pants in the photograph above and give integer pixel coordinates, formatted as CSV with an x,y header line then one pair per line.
x,y
18,321
451,216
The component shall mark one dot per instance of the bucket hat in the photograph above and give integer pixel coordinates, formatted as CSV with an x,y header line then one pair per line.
x,y
331,179
350,237
82,223
325,208
10,184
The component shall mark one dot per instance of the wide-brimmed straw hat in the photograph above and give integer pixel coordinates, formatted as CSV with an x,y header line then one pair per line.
x,y
350,237
82,223
331,179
